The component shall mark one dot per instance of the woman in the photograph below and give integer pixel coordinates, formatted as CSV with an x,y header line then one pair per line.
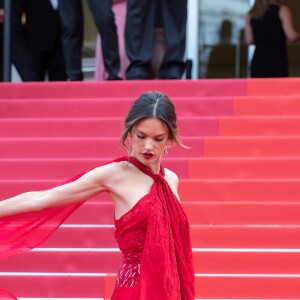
x,y
151,228
141,20
268,25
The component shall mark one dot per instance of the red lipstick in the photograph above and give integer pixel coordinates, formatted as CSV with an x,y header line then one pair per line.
x,y
147,155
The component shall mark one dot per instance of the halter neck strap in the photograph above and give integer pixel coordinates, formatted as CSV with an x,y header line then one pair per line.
x,y
144,168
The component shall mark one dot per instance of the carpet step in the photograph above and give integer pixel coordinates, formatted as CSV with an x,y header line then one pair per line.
x,y
242,200
243,237
242,286
271,87
106,261
277,105
57,285
132,88
260,126
188,126
205,236
251,213
259,146
94,127
125,88
244,168
218,286
195,190
62,169
100,211
81,147
108,147
103,107
204,213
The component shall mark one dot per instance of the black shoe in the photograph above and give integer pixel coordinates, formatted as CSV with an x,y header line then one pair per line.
x,y
114,78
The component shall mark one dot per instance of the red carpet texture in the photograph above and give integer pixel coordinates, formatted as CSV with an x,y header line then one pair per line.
x,y
239,182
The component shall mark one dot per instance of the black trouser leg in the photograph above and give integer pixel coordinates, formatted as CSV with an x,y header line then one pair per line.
x,y
20,54
71,16
139,33
174,23
105,21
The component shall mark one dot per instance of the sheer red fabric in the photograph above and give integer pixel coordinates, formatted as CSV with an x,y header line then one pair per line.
x,y
20,233
4,295
153,236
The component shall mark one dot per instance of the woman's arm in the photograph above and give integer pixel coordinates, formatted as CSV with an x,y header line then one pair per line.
x,y
87,186
248,31
287,23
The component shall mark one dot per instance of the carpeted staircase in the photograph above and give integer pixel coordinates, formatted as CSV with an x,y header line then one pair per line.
x,y
239,182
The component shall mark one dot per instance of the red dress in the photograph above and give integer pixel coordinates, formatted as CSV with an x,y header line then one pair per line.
x,y
153,236
4,295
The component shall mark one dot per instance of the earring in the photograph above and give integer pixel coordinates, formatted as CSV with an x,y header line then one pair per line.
x,y
166,151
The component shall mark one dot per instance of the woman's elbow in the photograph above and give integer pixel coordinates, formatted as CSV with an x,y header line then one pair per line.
x,y
294,37
248,40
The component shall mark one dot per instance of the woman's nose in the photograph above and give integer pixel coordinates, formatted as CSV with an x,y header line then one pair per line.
x,y
148,144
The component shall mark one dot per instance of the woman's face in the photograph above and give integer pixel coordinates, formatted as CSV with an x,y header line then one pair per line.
x,y
149,139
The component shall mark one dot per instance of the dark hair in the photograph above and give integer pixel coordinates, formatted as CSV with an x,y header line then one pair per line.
x,y
156,105
260,6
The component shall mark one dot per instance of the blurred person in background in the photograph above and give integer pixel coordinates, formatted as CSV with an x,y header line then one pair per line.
x,y
21,55
269,24
141,20
71,15
119,8
43,33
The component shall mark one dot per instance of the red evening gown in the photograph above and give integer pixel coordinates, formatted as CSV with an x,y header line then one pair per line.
x,y
153,236
6,296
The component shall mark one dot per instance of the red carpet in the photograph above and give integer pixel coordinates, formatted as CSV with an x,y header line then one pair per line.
x,y
240,182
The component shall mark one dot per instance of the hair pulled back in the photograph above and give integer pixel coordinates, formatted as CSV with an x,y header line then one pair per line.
x,y
156,105
260,6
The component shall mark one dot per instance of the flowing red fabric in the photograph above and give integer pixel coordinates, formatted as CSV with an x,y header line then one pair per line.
x,y
4,295
153,236
22,232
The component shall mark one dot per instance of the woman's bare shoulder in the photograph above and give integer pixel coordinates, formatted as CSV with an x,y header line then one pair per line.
x,y
110,170
171,177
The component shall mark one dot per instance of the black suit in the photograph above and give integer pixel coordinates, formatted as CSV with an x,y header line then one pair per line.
x,y
21,55
43,34
72,26
139,32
